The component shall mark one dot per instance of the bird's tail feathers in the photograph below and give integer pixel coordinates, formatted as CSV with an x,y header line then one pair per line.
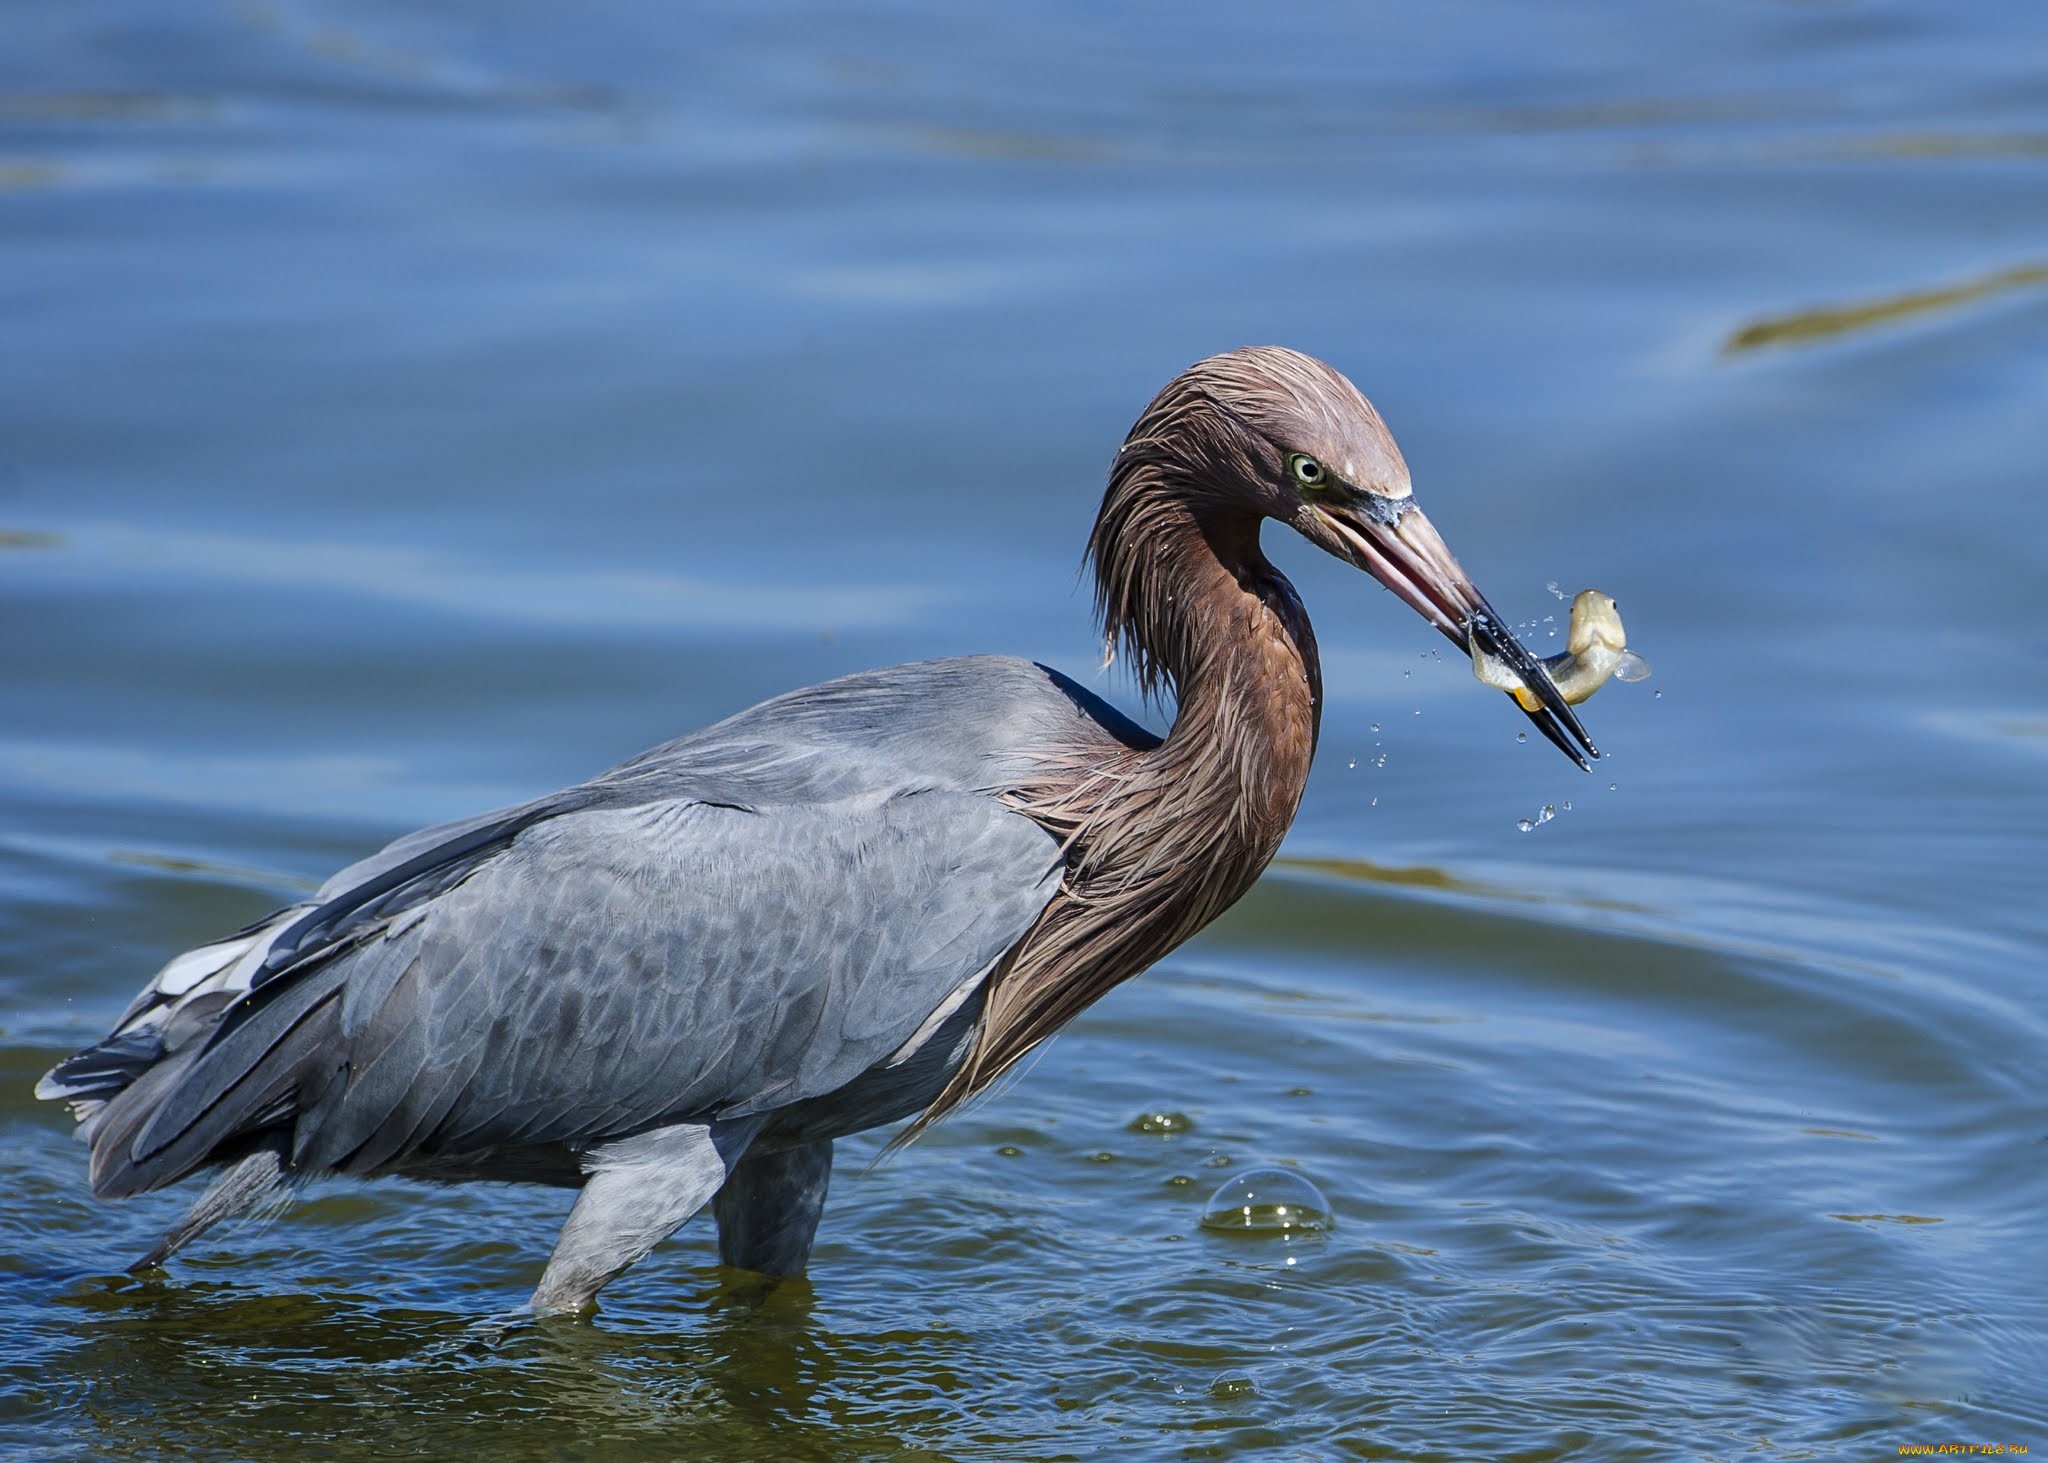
x,y
202,1104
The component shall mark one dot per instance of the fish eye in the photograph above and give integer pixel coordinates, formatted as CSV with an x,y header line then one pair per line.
x,y
1307,471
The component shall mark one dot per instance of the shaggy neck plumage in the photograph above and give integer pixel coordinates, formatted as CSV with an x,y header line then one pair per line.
x,y
1190,603
1163,839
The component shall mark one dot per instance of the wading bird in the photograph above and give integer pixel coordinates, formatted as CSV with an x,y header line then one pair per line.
x,y
675,984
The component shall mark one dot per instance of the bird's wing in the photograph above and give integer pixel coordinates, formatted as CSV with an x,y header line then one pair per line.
x,y
595,971
184,1000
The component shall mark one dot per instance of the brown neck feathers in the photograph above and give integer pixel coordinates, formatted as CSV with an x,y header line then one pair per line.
x,y
1161,841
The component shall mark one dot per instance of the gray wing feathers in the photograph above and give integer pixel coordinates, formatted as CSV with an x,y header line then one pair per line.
x,y
746,918
273,1059
622,967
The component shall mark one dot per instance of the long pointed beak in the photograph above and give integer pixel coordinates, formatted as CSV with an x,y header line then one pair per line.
x,y
1392,541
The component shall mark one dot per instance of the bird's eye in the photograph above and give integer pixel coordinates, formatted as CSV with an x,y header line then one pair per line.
x,y
1307,471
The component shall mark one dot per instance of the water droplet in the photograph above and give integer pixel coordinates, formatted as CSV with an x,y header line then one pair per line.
x,y
1267,1201
1659,695
1160,1120
1549,812
1375,802
1551,585
1521,736
1567,805
1410,673
1418,711
1612,786
1352,763
1217,1160
1375,726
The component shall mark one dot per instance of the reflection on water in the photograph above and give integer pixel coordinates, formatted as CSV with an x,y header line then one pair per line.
x,y
522,391
1951,145
16,175
103,106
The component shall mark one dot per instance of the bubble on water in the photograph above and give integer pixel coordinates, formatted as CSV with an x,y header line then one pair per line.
x,y
1009,1150
1267,1201
1161,1120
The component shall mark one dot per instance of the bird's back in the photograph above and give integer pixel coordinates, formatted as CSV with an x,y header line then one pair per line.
x,y
744,920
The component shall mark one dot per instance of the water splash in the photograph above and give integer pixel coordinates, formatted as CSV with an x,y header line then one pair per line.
x,y
1529,825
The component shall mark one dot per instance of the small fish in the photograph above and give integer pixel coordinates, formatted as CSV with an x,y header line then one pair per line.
x,y
1596,650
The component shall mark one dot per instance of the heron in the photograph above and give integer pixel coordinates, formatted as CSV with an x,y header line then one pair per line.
x,y
676,985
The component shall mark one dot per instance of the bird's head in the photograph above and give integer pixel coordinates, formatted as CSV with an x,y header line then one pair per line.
x,y
1266,432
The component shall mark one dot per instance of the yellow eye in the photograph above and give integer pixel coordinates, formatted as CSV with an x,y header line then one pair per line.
x,y
1307,471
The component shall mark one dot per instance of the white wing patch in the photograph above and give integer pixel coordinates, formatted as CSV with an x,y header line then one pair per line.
x,y
188,970
226,965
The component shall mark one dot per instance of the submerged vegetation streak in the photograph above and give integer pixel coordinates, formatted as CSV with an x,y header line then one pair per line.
x,y
1800,327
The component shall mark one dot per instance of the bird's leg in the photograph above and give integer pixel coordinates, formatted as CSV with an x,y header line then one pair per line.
x,y
768,1210
639,1192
